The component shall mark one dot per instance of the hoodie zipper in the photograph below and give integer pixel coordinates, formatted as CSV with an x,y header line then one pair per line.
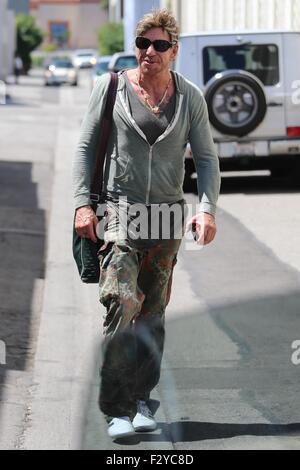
x,y
160,138
149,175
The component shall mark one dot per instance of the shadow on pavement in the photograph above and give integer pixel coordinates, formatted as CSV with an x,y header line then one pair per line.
x,y
22,246
196,431
198,384
249,184
258,185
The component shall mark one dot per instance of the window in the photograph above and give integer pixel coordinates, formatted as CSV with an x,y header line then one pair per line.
x,y
102,67
59,32
65,64
126,62
260,59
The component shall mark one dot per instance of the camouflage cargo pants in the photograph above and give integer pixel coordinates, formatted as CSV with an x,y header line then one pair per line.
x,y
135,286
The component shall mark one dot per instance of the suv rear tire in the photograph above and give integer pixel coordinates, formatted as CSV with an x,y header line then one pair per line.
x,y
236,102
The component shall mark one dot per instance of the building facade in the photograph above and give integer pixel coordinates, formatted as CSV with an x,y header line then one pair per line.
x,y
214,15
133,11
19,6
130,11
116,10
69,23
7,40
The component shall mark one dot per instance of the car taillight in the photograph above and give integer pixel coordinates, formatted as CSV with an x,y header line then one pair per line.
x,y
293,131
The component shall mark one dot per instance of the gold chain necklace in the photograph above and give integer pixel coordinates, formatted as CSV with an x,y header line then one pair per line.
x,y
156,108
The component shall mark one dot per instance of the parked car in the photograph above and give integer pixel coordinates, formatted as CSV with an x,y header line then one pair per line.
x,y
100,68
60,70
84,58
122,60
248,80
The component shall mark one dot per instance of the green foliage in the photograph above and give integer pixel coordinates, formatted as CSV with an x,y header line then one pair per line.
x,y
29,37
38,61
104,4
111,38
50,47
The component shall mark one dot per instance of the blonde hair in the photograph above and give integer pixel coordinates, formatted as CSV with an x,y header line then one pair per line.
x,y
160,18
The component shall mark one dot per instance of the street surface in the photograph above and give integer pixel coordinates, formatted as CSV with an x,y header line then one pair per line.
x,y
228,380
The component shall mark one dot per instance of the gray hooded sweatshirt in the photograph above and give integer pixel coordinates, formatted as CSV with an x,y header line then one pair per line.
x,y
144,173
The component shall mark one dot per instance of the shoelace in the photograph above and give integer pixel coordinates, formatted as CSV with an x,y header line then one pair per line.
x,y
144,410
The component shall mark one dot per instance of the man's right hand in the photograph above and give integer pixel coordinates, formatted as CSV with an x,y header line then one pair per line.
x,y
86,223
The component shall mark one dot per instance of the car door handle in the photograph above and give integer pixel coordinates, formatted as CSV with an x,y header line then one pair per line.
x,y
272,104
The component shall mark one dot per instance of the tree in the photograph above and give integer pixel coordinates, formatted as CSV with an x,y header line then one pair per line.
x,y
104,4
29,37
111,38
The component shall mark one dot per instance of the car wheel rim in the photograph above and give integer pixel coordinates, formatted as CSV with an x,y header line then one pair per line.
x,y
234,104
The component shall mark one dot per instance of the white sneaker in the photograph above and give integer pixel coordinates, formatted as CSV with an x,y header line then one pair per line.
x,y
120,427
143,420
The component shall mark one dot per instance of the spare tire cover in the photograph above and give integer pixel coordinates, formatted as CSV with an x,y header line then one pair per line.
x,y
236,102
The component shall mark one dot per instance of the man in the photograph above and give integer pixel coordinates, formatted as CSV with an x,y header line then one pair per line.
x,y
156,113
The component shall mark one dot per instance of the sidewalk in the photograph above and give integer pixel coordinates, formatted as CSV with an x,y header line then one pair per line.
x,y
68,326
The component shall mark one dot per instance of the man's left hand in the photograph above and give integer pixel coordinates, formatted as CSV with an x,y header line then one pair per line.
x,y
203,226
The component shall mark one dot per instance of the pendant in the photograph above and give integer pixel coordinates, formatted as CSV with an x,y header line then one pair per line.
x,y
156,110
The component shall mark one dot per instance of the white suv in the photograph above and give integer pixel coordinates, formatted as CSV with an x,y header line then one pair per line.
x,y
84,58
122,60
251,82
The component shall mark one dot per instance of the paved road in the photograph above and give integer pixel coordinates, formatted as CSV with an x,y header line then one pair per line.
x,y
227,382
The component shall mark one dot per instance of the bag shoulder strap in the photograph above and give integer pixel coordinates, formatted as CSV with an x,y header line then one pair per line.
x,y
106,122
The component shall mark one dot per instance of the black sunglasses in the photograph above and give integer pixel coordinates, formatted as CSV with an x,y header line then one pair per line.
x,y
160,45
